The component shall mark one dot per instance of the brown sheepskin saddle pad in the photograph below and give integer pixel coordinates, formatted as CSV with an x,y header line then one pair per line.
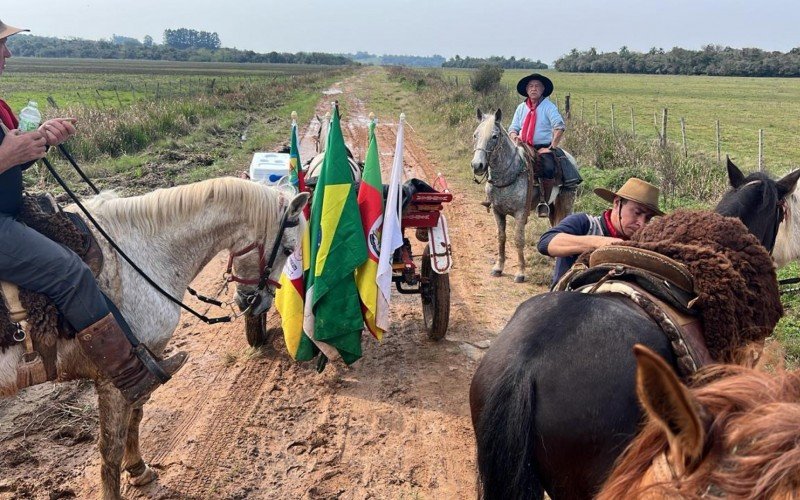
x,y
734,285
41,213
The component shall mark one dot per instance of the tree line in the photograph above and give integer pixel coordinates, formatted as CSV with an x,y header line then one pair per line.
x,y
124,48
502,62
434,61
712,60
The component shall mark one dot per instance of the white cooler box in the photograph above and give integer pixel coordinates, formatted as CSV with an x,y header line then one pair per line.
x,y
269,167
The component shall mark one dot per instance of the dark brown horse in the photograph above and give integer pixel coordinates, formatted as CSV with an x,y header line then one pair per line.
x,y
734,435
553,401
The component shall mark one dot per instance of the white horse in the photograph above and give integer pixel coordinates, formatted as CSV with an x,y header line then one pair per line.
x,y
787,243
171,234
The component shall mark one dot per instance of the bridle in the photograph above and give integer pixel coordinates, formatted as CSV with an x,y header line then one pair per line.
x,y
265,265
490,153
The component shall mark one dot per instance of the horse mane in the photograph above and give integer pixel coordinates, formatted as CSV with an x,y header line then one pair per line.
x,y
751,450
787,244
163,207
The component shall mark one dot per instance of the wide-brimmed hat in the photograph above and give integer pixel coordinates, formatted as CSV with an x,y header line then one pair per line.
x,y
636,190
6,30
522,85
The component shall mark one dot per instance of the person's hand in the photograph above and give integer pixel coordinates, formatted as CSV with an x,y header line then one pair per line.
x,y
609,240
542,151
21,147
514,137
57,130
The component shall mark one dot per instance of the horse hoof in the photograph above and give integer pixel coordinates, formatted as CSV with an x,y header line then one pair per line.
x,y
497,273
146,477
520,278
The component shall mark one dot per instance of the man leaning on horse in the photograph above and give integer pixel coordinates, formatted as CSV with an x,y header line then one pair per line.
x,y
36,263
634,205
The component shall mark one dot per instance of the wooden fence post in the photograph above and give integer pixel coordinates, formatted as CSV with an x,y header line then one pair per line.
x,y
664,128
595,111
761,150
613,123
633,124
567,110
719,145
683,138
117,94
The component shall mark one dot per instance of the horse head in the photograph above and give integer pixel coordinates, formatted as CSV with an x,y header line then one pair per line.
x,y
321,139
758,201
732,435
257,267
486,139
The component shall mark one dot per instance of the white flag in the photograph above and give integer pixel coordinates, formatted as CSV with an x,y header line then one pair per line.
x,y
392,236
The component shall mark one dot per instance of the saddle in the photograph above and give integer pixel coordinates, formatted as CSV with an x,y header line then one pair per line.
x,y
662,287
566,175
20,307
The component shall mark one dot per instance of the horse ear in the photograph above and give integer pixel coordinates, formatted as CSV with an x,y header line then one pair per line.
x,y
670,403
735,176
480,115
498,114
296,205
787,184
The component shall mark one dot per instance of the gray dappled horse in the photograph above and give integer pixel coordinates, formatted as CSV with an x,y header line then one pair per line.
x,y
503,163
172,234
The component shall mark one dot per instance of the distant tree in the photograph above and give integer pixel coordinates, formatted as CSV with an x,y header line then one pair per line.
x,y
487,78
124,40
147,41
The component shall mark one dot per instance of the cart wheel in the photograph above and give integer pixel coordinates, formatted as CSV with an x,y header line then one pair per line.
x,y
256,329
435,299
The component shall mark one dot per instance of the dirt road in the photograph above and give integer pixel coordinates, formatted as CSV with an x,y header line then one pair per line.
x,y
236,423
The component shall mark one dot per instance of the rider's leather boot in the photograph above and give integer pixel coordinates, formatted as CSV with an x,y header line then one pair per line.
x,y
486,203
545,189
105,344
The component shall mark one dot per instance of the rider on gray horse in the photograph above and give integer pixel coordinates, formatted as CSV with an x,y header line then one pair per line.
x,y
538,124
34,262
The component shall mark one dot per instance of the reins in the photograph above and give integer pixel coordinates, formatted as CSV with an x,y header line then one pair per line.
x,y
265,267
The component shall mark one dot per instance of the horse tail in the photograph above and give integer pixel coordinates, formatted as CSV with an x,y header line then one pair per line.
x,y
505,437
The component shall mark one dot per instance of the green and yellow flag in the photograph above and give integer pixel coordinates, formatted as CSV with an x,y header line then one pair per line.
x,y
370,204
333,318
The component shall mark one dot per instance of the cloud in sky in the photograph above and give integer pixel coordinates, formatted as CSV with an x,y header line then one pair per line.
x,y
536,30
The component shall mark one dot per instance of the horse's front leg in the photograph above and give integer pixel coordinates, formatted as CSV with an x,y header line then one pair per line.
x,y
519,240
139,473
562,206
500,220
115,414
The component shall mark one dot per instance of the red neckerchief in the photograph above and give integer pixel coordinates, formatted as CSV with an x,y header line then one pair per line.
x,y
611,230
529,127
7,116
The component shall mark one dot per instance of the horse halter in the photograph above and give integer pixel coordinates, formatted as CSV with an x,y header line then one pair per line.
x,y
489,154
263,282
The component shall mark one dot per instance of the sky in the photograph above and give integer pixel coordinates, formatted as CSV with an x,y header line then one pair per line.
x,y
477,28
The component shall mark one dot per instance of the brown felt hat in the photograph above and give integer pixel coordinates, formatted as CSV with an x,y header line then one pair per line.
x,y
636,190
6,30
522,85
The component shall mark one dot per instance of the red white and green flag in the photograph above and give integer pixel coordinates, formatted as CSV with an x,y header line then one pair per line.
x,y
370,204
333,318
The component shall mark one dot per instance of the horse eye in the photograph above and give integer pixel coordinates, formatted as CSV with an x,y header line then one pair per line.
x,y
287,251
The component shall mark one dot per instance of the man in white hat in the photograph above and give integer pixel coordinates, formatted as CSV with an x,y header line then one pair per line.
x,y
39,264
634,205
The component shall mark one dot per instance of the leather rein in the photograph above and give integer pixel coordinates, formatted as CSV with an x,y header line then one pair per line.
x,y
263,282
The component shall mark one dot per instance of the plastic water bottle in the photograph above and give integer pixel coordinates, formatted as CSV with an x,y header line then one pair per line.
x,y
30,118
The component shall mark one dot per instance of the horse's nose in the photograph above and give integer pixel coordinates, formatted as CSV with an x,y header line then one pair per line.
x,y
478,167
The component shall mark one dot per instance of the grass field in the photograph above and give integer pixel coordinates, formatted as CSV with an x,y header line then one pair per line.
x,y
111,82
742,105
146,124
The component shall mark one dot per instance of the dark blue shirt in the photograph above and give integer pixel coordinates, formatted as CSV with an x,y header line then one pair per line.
x,y
579,224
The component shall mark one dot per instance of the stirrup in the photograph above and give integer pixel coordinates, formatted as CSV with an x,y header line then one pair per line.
x,y
543,209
